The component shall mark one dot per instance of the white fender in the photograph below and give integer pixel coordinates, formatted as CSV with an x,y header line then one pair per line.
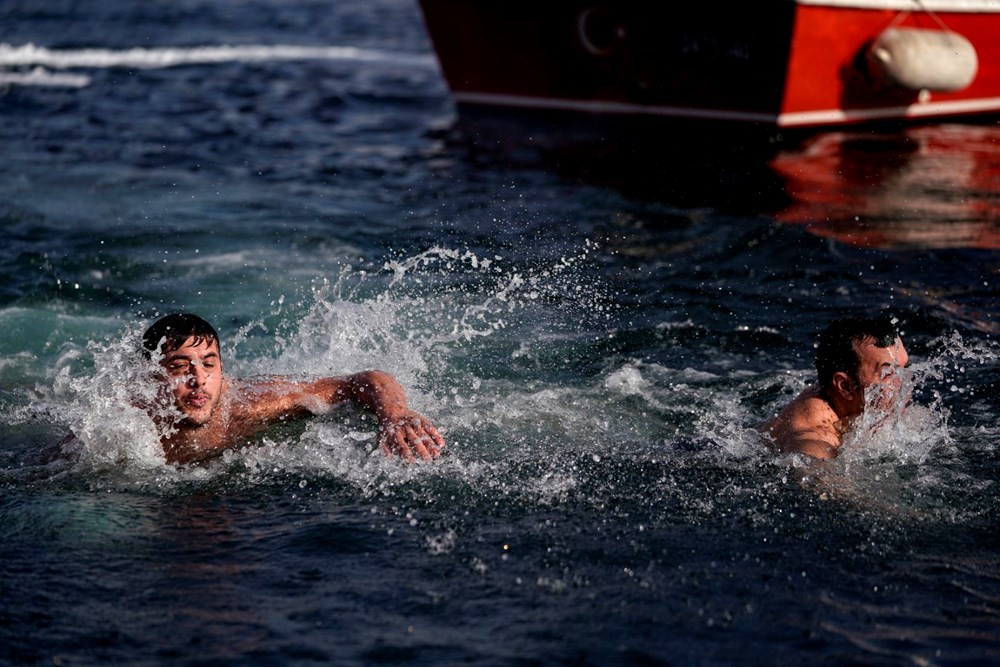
x,y
934,60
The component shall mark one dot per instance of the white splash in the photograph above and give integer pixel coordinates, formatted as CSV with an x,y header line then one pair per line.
x,y
102,405
904,429
416,318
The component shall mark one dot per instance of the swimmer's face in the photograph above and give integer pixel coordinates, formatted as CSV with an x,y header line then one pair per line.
x,y
194,376
880,371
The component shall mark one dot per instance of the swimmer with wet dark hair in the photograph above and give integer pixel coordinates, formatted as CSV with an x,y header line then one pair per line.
x,y
217,412
853,356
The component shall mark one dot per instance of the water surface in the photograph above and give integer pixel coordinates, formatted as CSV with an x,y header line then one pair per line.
x,y
596,318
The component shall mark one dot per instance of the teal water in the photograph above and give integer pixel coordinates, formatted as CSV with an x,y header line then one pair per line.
x,y
595,318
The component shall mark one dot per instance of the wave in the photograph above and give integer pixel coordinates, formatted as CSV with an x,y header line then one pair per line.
x,y
40,76
156,58
29,55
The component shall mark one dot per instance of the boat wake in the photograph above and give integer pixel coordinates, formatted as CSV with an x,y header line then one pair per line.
x,y
39,76
15,60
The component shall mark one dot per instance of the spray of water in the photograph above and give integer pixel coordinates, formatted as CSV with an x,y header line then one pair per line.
x,y
429,319
500,356
109,407
905,454
915,422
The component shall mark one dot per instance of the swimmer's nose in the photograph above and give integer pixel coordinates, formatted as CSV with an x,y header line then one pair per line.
x,y
197,375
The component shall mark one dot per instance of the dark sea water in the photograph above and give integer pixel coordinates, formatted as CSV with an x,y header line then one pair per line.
x,y
595,316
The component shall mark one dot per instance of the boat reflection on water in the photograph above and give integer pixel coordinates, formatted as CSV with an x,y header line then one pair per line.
x,y
929,186
935,186
683,164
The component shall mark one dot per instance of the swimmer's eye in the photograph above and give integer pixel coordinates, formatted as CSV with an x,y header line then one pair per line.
x,y
183,366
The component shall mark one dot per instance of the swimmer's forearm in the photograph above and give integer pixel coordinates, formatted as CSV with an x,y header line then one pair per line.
x,y
401,431
276,398
379,392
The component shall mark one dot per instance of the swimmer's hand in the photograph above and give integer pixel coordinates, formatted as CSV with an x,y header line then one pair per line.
x,y
409,435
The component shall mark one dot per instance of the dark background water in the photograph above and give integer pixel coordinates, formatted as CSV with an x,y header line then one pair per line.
x,y
596,314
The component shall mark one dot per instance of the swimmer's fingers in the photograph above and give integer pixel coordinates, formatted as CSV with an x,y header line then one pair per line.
x,y
418,442
428,437
393,441
436,439
410,437
425,439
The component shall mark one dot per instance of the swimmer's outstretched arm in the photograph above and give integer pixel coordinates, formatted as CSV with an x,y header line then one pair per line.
x,y
401,430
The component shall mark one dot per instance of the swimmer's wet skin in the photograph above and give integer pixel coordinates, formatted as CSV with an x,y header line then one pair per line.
x,y
854,355
212,412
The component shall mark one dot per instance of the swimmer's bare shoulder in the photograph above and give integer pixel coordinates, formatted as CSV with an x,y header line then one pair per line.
x,y
246,407
808,425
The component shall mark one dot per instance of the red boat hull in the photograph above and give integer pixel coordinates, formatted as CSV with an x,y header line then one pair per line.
x,y
779,63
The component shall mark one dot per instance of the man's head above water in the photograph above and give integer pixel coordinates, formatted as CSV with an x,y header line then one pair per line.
x,y
186,347
171,332
854,354
836,347
858,362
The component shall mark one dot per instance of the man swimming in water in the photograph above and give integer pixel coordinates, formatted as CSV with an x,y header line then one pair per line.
x,y
212,412
854,356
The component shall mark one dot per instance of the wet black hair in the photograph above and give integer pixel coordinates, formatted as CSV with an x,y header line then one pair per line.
x,y
835,347
169,332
